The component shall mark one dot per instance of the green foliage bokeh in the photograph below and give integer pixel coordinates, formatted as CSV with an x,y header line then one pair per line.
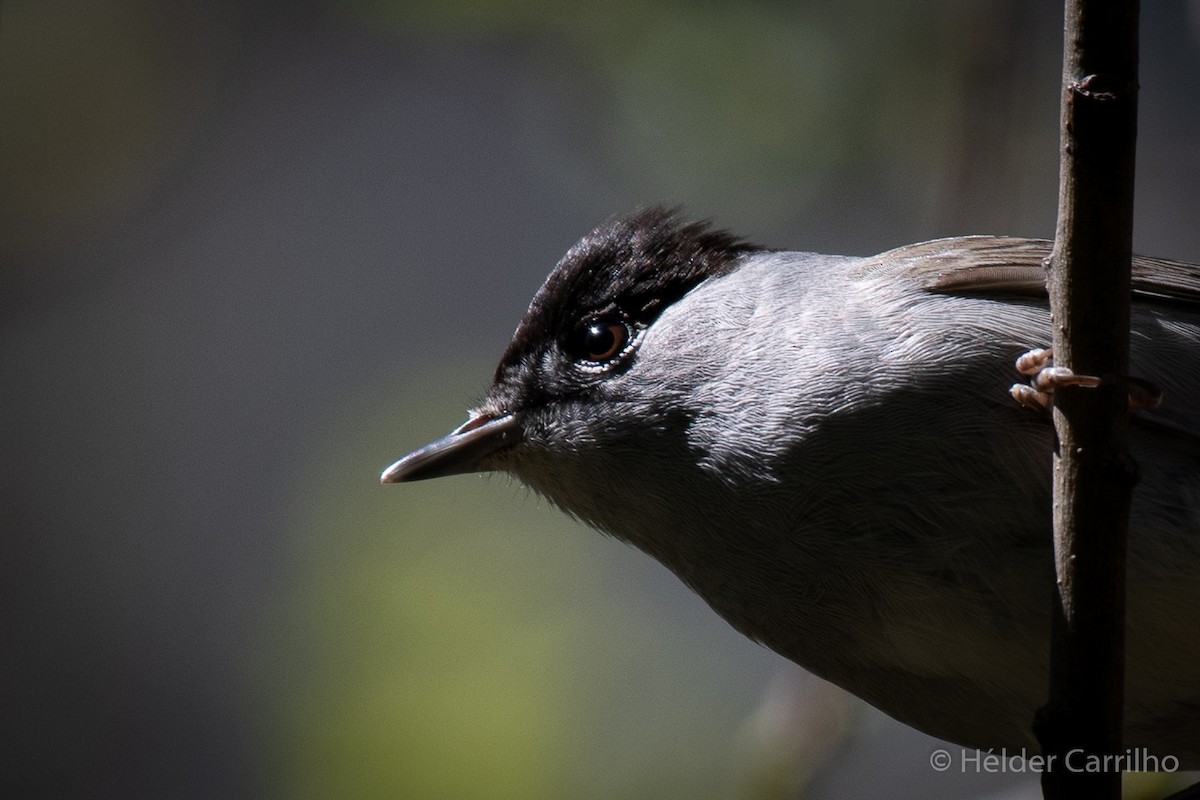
x,y
461,639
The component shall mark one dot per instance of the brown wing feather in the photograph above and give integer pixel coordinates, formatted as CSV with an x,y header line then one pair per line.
x,y
996,265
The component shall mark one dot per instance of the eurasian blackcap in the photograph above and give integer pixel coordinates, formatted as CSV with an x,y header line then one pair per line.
x,y
825,449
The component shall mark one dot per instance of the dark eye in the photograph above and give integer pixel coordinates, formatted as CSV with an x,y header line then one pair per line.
x,y
602,340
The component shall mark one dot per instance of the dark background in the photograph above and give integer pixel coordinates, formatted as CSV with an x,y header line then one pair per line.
x,y
252,252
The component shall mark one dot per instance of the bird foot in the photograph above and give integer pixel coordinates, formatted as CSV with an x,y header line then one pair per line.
x,y
1044,379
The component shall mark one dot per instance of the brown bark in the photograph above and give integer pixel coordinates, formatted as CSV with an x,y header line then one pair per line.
x,y
1093,472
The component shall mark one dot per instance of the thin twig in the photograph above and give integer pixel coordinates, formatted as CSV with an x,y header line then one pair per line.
x,y
1093,472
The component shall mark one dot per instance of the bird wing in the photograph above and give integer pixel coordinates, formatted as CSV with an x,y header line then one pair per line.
x,y
1001,267
1004,266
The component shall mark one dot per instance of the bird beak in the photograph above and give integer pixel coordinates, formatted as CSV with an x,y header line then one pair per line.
x,y
462,450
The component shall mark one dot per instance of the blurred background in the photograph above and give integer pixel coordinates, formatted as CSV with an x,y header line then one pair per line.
x,y
254,251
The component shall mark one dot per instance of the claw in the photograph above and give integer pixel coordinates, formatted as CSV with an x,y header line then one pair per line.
x,y
1050,378
1038,395
1030,397
1032,362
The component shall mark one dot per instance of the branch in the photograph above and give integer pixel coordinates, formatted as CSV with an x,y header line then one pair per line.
x,y
1093,472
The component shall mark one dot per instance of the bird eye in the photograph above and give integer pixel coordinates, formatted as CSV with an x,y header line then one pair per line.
x,y
602,340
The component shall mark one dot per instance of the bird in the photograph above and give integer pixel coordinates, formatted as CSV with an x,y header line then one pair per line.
x,y
825,449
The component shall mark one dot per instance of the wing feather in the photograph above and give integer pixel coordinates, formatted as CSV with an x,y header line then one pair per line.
x,y
1168,292
1005,266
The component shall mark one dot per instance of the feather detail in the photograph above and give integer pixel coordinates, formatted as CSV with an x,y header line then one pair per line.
x,y
1006,266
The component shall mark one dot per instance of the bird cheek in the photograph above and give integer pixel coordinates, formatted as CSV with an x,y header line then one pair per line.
x,y
550,430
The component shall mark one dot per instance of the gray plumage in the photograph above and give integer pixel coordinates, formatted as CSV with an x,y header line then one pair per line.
x,y
825,449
